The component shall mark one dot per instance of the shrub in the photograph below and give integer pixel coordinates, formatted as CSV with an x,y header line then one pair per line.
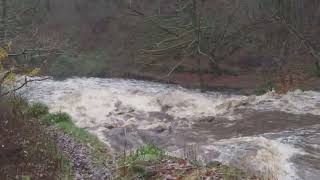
x,y
135,164
37,110
93,63
56,118
231,72
264,88
313,72
148,152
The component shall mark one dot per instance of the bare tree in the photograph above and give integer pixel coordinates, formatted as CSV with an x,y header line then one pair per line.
x,y
188,35
288,13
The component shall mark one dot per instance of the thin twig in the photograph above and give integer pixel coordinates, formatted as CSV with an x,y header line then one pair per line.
x,y
173,69
157,24
26,81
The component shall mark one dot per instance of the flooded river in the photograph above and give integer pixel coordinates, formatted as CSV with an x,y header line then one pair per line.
x,y
275,135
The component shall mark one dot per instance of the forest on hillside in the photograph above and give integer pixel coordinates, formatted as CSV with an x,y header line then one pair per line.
x,y
158,39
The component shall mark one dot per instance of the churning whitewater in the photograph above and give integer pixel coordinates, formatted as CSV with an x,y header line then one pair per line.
x,y
275,135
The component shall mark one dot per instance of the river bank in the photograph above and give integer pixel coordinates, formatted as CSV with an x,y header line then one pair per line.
x,y
87,158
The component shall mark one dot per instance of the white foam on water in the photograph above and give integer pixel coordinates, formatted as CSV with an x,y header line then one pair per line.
x,y
91,101
258,154
295,102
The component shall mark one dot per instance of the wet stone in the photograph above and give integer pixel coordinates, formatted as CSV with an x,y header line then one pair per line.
x,y
207,119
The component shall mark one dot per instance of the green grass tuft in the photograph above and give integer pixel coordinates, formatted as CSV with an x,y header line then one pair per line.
x,y
135,164
56,118
148,152
37,110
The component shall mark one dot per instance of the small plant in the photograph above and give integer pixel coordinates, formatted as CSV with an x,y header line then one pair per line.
x,y
148,153
37,110
26,178
264,88
231,72
136,163
56,118
301,87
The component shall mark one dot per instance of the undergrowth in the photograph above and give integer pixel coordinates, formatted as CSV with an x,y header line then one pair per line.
x,y
99,151
28,152
135,164
264,88
37,110
151,162
95,63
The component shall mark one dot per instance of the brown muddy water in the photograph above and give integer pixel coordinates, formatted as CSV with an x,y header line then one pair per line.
x,y
275,135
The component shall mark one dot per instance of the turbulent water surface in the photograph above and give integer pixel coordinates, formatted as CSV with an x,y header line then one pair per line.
x,y
277,135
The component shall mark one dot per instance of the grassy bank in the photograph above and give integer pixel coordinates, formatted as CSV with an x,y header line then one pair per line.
x,y
25,154
99,152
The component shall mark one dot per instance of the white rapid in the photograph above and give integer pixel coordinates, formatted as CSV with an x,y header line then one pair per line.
x,y
174,118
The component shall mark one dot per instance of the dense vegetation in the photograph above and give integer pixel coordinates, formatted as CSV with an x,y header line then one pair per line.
x,y
25,154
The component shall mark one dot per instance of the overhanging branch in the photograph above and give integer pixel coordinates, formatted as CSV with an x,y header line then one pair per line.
x,y
26,81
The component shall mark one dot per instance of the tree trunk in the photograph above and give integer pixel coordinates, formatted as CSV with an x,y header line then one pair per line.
x,y
48,5
200,75
197,29
4,17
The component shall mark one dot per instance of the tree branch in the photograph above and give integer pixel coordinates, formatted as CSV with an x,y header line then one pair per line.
x,y
26,81
5,75
173,69
157,24
296,33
